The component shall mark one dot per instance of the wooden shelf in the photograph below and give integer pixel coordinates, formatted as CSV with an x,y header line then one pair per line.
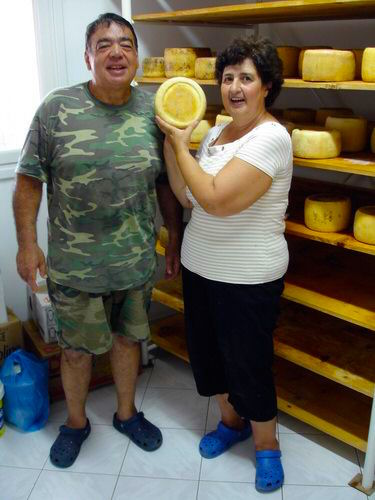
x,y
343,239
292,83
338,285
267,12
332,408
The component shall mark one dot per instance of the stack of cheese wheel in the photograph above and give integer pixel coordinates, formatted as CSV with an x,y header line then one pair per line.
x,y
364,225
327,213
353,132
181,61
201,130
153,67
289,57
205,68
368,65
322,114
328,65
316,144
180,101
302,54
299,115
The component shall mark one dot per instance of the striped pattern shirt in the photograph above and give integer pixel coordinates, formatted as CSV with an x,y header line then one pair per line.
x,y
248,247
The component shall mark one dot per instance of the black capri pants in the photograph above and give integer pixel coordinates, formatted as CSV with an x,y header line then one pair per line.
x,y
229,331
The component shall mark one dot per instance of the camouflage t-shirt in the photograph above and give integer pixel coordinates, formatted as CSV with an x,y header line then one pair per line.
x,y
100,163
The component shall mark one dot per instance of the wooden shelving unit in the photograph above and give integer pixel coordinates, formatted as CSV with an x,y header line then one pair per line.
x,y
324,342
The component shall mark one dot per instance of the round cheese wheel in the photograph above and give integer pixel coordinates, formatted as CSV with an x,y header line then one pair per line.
x,y
180,101
299,115
372,140
358,54
153,67
289,58
368,65
223,119
205,68
328,65
317,144
181,61
353,132
322,114
364,225
327,213
302,53
201,130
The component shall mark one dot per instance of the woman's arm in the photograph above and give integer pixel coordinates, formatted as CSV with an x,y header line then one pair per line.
x,y
175,177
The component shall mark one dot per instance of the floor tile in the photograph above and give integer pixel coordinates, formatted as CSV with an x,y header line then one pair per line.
x,y
209,490
59,485
289,425
322,493
177,458
175,408
16,484
102,453
171,372
141,488
213,415
319,460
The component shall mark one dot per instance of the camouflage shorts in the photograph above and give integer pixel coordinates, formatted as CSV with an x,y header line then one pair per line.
x,y
86,321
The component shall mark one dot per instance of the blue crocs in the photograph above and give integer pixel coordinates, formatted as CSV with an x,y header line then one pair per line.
x,y
217,442
139,430
67,446
270,473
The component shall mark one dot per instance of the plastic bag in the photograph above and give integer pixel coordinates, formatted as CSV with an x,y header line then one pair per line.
x,y
26,401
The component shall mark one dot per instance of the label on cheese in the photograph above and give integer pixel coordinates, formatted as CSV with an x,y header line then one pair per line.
x,y
327,213
328,65
316,144
180,101
353,132
368,65
364,225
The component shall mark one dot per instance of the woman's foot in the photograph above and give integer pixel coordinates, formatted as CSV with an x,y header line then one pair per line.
x,y
217,442
269,471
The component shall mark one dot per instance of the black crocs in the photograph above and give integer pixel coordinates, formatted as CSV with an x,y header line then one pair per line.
x,y
67,446
139,430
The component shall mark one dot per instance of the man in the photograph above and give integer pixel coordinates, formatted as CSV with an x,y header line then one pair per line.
x,y
98,149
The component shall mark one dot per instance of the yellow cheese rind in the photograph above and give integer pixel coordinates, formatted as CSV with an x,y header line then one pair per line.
x,y
364,225
327,213
223,119
316,144
353,132
201,130
180,101
368,65
302,54
205,68
299,115
328,65
181,61
322,114
289,58
153,67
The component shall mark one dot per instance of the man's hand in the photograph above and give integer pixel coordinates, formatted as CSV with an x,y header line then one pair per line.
x,y
172,257
29,261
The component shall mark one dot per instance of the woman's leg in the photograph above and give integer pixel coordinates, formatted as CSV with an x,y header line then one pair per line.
x,y
265,435
229,416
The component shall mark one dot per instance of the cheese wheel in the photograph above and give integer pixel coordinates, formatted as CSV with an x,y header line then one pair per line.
x,y
364,225
372,141
299,115
328,65
368,65
302,53
180,101
358,54
153,67
322,114
327,213
181,61
317,144
353,132
223,119
289,58
205,68
201,130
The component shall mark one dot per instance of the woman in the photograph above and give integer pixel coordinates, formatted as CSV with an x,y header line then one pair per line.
x,y
234,253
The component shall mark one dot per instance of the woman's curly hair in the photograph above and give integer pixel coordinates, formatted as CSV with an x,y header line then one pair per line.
x,y
262,52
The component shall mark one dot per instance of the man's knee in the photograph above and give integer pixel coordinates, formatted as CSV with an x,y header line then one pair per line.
x,y
76,358
125,342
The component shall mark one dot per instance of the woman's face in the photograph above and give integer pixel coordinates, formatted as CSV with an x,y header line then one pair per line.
x,y
242,91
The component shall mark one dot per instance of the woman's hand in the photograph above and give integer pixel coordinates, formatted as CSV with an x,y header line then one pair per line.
x,y
178,138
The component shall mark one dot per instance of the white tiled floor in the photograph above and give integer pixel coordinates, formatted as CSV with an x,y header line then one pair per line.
x,y
109,467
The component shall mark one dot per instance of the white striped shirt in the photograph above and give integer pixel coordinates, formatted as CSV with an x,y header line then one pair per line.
x,y
248,247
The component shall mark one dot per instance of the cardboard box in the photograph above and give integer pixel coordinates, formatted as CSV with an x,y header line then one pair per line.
x,y
11,337
101,370
42,313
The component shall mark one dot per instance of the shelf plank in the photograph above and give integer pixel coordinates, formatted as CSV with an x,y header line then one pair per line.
x,y
334,409
293,83
169,293
342,239
267,12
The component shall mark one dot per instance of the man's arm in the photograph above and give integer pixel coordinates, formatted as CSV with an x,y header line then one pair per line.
x,y
26,202
171,211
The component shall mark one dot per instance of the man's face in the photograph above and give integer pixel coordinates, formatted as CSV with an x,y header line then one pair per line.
x,y
112,56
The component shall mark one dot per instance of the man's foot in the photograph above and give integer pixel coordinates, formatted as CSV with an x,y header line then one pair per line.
x,y
269,471
217,442
67,446
139,430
